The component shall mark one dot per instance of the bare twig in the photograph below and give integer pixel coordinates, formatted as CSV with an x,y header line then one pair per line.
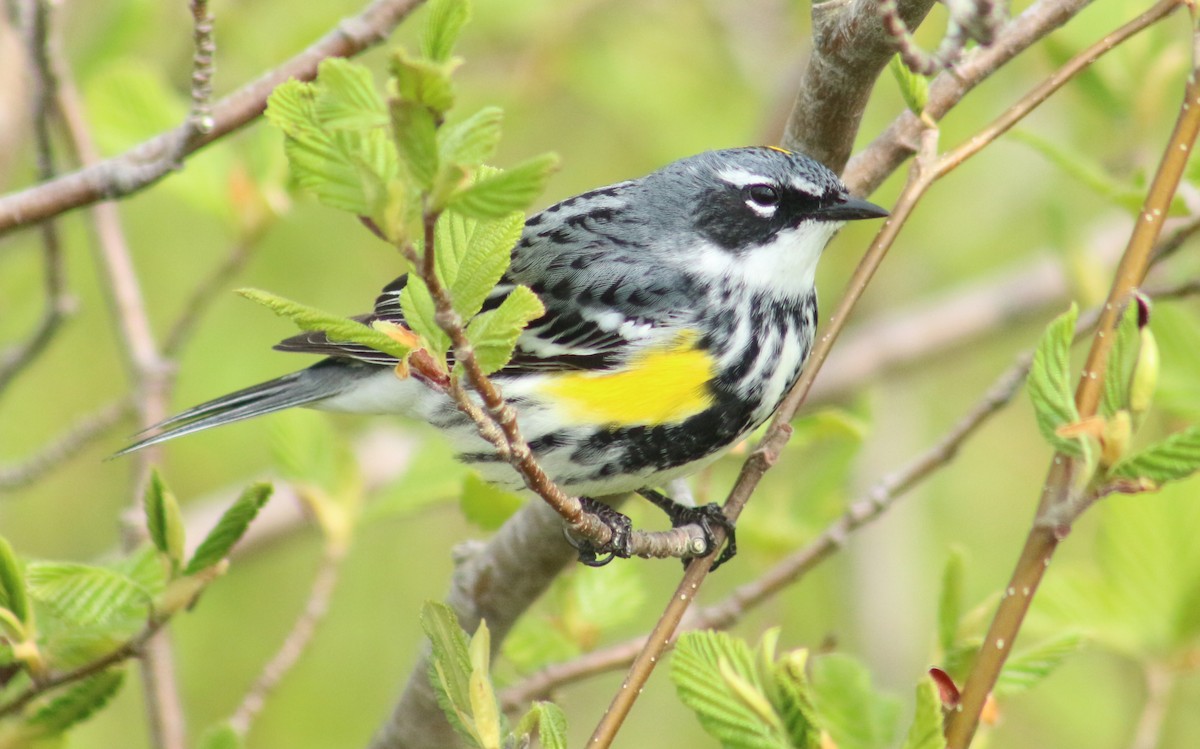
x,y
131,649
867,170
926,169
497,423
876,501
58,302
1045,534
976,20
297,640
145,164
1160,681
200,118
65,446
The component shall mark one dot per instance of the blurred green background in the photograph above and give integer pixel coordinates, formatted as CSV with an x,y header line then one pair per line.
x,y
618,88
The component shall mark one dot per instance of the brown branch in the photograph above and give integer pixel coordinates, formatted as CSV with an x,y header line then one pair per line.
x,y
148,162
850,49
788,571
867,170
204,294
926,169
296,641
1050,523
58,302
200,117
1160,682
498,424
64,447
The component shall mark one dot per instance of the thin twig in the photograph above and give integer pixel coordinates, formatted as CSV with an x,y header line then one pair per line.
x,y
1045,535
150,161
925,171
497,422
58,303
1160,681
200,117
131,649
789,570
68,444
297,640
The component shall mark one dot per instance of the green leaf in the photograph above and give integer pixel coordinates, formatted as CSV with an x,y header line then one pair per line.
x,y
164,521
1027,667
345,169
414,127
536,641
486,505
472,141
220,736
1174,458
1120,362
926,731
77,703
791,693
950,601
443,27
84,595
485,711
914,88
700,679
511,190
1050,382
551,725
450,665
424,82
229,528
494,333
855,715
13,593
335,328
483,261
421,314
347,98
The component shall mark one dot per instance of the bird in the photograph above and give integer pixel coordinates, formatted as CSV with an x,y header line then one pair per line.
x,y
680,308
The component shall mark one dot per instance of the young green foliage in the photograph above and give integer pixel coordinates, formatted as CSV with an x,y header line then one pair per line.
x,y
914,88
14,596
336,328
83,595
75,704
1121,359
221,736
1172,459
1050,382
950,602
927,730
443,26
494,333
164,521
449,665
485,504
460,673
230,528
1029,666
856,716
548,721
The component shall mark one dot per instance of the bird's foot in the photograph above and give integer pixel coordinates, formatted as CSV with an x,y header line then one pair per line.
x,y
707,516
619,545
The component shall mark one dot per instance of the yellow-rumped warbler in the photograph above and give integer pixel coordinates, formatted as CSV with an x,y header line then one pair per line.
x,y
680,308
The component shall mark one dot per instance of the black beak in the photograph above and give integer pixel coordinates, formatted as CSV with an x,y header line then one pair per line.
x,y
850,209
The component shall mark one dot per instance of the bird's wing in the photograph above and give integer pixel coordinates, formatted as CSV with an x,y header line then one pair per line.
x,y
604,296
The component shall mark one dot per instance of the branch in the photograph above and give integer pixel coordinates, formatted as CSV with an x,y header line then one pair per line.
x,y
791,569
148,162
66,446
1045,535
58,303
297,640
866,171
850,49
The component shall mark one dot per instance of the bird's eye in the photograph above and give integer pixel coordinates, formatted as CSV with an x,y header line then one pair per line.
x,y
763,195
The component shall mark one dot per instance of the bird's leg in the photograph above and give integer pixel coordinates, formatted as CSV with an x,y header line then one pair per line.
x,y
707,517
619,545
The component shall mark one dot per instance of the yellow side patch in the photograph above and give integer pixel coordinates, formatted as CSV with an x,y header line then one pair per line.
x,y
662,385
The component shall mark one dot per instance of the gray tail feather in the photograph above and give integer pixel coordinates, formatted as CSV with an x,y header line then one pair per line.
x,y
323,380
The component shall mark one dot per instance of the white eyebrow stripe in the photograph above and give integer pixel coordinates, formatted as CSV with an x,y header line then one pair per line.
x,y
741,177
805,186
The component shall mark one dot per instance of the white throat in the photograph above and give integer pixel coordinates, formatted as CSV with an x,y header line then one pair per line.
x,y
785,267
